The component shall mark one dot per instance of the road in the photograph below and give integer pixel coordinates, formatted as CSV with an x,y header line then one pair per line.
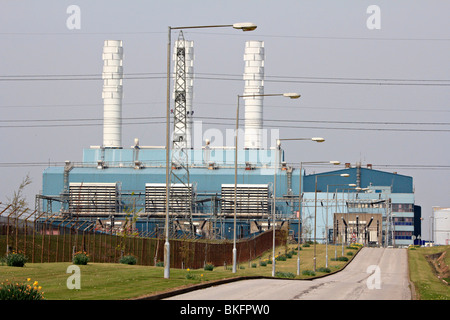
x,y
374,274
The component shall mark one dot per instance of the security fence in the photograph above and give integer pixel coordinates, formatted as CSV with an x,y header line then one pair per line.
x,y
48,240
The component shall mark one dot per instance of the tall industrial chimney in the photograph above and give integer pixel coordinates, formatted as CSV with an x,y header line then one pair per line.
x,y
112,93
254,84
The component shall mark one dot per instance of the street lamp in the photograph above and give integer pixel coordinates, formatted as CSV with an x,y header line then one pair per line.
x,y
316,139
287,95
300,199
315,209
244,26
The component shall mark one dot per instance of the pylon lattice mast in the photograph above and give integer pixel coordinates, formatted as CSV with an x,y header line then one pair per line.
x,y
180,187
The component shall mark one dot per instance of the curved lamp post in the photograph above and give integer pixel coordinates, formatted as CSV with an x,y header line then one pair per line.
x,y
290,95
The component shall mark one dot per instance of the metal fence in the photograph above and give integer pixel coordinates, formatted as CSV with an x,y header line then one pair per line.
x,y
44,241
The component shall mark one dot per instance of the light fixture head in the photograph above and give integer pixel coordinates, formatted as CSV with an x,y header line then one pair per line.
x,y
292,95
245,26
318,139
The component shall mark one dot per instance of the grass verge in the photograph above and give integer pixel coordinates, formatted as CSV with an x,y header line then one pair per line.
x,y
104,281
426,283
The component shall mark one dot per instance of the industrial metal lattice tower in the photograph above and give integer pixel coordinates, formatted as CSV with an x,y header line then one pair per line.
x,y
179,170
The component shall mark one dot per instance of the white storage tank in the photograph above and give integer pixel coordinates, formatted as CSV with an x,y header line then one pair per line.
x,y
441,226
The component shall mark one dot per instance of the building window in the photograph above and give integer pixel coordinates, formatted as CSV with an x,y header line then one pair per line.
x,y
403,235
402,207
403,221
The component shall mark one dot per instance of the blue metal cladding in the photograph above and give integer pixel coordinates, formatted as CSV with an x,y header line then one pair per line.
x,y
206,182
156,157
119,168
399,183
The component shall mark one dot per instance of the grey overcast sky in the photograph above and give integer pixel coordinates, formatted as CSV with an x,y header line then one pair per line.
x,y
378,96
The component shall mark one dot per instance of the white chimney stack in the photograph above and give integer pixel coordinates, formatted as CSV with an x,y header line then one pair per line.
x,y
112,93
254,84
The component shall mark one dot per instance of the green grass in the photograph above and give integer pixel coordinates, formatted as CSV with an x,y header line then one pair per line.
x,y
427,285
98,280
101,281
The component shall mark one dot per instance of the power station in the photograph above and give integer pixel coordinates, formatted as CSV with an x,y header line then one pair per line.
x,y
114,183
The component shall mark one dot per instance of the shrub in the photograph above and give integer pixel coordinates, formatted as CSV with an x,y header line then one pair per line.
x,y
323,269
341,259
21,291
350,253
191,276
80,258
288,275
263,263
253,265
281,258
129,259
306,245
308,273
160,264
15,259
208,267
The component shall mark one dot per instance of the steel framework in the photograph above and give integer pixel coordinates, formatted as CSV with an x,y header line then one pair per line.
x,y
179,170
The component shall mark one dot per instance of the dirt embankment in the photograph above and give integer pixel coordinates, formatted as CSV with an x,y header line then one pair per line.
x,y
441,269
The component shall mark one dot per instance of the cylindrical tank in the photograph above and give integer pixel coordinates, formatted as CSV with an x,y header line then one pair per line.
x,y
441,226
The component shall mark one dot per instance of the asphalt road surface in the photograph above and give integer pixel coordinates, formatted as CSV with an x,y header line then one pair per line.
x,y
374,274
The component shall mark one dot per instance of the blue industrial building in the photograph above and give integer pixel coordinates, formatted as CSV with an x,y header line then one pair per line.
x,y
373,192
115,182
110,184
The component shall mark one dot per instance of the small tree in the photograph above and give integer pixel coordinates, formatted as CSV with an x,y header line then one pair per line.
x,y
18,201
